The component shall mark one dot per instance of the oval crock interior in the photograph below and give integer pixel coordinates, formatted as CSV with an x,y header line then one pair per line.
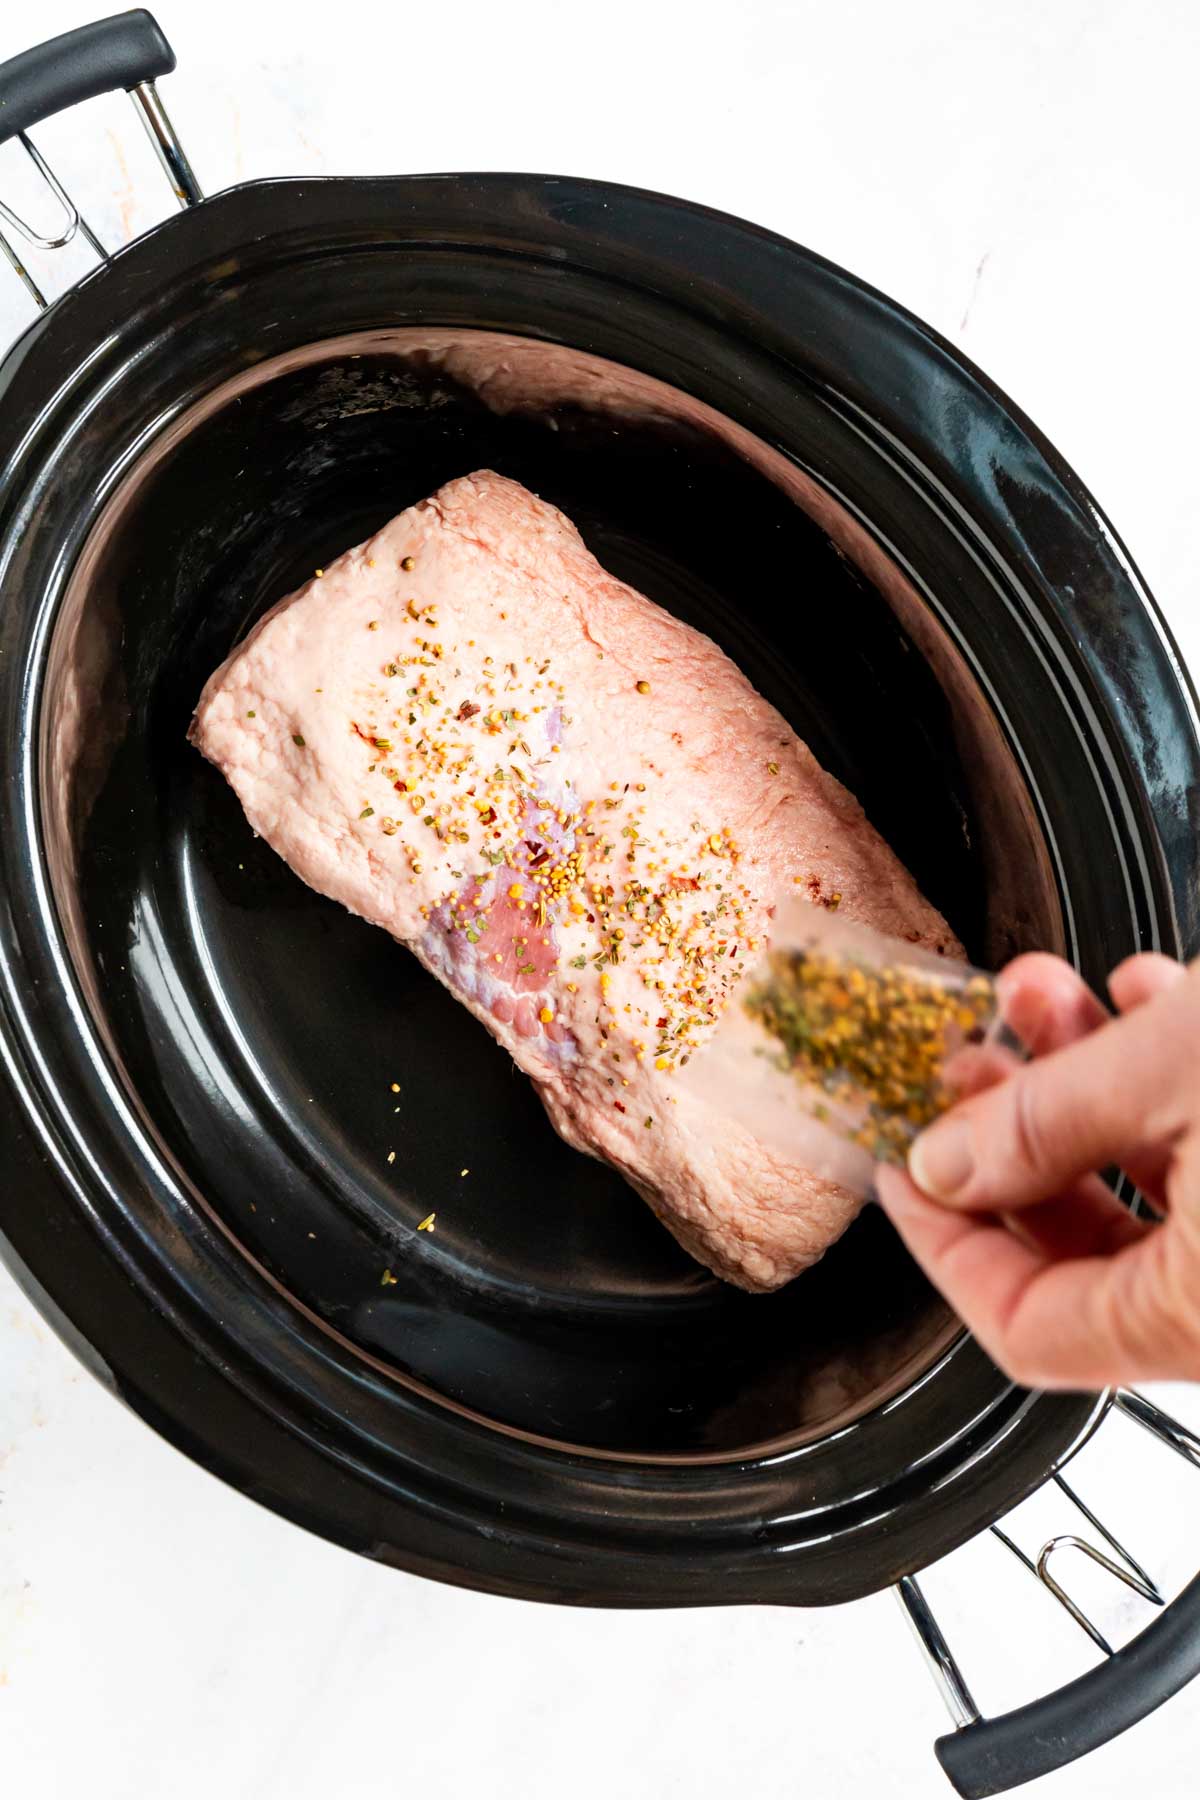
x,y
259,1028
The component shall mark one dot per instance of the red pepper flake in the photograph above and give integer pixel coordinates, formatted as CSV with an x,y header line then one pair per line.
x,y
618,1106
661,1024
467,710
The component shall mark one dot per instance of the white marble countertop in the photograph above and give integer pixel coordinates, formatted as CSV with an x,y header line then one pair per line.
x,y
1024,177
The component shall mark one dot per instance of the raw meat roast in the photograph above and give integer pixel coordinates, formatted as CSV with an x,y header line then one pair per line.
x,y
576,812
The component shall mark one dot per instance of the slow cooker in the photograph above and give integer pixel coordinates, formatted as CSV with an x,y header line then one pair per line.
x,y
546,1398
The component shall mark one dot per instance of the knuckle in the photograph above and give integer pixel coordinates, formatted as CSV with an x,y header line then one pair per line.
x,y
1181,1287
1145,1314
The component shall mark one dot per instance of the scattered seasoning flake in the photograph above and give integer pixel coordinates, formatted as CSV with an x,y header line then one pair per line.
x,y
387,1279
298,740
395,1087
391,1156
427,1223
367,812
546,1015
252,714
464,1172
643,687
647,1123
773,768
319,573
406,564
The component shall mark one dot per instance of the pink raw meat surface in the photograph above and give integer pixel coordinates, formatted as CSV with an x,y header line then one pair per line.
x,y
576,812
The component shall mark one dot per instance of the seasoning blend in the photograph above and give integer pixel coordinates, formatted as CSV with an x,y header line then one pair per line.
x,y
838,1045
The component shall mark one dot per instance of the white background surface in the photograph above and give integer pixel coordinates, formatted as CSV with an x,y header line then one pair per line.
x,y
1024,176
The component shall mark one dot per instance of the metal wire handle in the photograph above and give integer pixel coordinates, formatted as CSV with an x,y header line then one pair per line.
x,y
127,50
988,1756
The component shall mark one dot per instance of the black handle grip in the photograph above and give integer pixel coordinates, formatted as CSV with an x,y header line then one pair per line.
x,y
120,52
998,1754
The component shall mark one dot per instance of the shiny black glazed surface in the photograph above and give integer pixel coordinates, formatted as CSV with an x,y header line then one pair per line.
x,y
553,1315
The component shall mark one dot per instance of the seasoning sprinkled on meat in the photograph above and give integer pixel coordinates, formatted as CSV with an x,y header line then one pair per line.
x,y
576,812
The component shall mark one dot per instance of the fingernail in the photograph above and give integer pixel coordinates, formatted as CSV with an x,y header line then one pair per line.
x,y
940,1161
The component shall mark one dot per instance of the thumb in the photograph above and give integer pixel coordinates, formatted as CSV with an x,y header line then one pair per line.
x,y
1093,1103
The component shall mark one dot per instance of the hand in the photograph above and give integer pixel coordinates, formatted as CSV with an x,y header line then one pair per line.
x,y
1004,1209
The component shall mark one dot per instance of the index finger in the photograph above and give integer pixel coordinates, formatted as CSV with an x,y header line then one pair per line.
x,y
1086,1322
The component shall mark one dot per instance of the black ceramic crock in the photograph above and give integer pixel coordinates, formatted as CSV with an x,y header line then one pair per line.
x,y
544,1397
